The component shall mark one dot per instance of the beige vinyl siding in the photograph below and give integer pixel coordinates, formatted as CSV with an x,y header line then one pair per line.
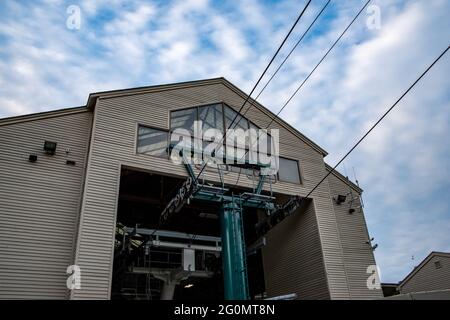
x,y
428,278
39,202
293,268
358,254
113,144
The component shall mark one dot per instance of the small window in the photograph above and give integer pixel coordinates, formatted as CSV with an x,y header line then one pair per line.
x,y
437,264
152,141
288,170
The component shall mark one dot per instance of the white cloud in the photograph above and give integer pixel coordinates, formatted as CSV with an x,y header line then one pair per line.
x,y
403,165
132,21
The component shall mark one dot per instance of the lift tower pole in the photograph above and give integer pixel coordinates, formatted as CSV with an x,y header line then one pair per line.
x,y
233,252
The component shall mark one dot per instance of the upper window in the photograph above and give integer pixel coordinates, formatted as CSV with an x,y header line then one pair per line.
x,y
288,170
239,121
211,116
218,116
152,141
183,119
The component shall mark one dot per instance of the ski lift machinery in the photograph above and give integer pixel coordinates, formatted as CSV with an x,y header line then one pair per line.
x,y
234,254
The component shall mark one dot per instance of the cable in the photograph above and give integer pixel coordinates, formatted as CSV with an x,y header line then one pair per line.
x,y
289,54
262,75
379,120
278,69
309,75
318,64
371,128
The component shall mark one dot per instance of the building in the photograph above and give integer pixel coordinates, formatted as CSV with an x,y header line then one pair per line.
x,y
389,289
430,280
105,172
432,274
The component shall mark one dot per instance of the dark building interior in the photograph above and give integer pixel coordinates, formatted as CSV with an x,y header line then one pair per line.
x,y
139,258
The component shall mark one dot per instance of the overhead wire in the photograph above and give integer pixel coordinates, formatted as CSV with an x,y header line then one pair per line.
x,y
373,126
257,83
379,120
261,76
289,54
309,75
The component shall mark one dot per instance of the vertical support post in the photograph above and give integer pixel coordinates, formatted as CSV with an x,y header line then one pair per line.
x,y
233,251
168,290
260,184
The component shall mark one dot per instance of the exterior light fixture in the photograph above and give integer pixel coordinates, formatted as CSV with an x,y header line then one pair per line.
x,y
32,158
340,199
50,147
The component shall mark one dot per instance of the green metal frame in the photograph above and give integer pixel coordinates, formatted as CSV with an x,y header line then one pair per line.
x,y
234,257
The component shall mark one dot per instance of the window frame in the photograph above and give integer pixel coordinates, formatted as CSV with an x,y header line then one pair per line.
x,y
298,169
224,125
136,150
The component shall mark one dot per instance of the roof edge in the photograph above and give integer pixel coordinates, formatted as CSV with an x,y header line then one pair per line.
x,y
194,83
255,103
42,115
158,87
343,178
421,264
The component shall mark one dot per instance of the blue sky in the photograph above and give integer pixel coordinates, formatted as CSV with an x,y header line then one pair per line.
x,y
403,166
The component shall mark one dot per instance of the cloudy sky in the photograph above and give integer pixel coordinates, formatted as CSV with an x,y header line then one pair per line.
x,y
403,166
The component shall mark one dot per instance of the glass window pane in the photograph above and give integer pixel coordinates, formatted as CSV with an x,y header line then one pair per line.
x,y
237,155
253,140
240,121
288,170
183,119
212,117
152,142
264,142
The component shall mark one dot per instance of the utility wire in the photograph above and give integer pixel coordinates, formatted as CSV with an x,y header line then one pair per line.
x,y
262,75
379,120
276,71
257,83
309,75
372,127
318,64
288,55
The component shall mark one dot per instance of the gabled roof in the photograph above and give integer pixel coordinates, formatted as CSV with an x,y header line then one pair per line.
x,y
172,86
164,87
422,264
